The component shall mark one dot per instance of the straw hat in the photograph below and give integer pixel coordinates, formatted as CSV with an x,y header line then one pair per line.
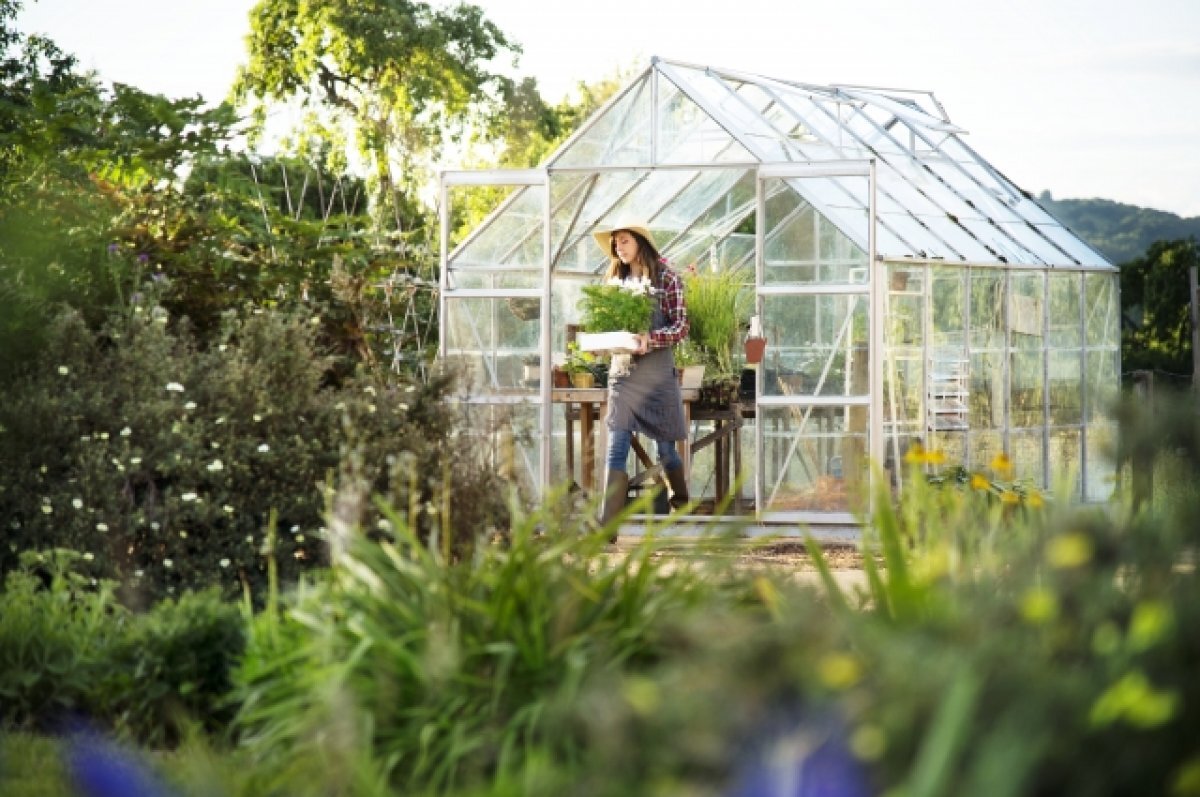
x,y
604,234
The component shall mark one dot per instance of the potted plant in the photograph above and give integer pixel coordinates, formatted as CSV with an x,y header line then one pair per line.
x,y
689,361
579,366
531,367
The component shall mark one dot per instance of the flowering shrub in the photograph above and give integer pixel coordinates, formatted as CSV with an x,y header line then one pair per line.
x,y
618,305
163,463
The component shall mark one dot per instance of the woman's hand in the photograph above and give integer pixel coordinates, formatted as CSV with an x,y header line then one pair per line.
x,y
643,344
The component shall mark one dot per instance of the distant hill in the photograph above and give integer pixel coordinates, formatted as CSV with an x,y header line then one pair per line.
x,y
1121,232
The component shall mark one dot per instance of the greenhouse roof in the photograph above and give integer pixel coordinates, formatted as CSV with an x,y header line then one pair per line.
x,y
936,198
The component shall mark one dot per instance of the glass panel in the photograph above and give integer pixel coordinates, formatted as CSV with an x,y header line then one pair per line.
x,y
1101,477
712,191
512,237
1066,387
1025,323
983,448
903,389
1027,407
489,340
1103,384
687,134
816,345
1075,248
948,306
1100,306
479,278
952,444
802,246
620,137
987,309
1063,311
1066,461
814,458
507,437
905,306
1025,449
987,390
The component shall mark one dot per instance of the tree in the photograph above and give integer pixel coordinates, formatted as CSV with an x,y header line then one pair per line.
x,y
401,75
1157,332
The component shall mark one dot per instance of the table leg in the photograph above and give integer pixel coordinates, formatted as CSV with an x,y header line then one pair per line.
x,y
587,453
570,442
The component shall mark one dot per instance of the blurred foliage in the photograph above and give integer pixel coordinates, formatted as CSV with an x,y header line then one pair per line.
x,y
72,656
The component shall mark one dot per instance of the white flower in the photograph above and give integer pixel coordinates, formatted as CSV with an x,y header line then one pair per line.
x,y
294,529
154,525
135,460
188,497
168,563
222,347
183,535
370,408
228,509
174,387
126,432
64,370
77,503
215,466
47,509
299,538
369,389
224,563
104,435
101,527
87,557
191,405
220,420
215,444
264,448
138,573
257,418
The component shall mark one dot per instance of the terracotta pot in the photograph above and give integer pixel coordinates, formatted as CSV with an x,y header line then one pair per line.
x,y
561,378
754,349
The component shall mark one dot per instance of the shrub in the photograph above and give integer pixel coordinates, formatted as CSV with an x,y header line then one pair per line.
x,y
57,628
164,460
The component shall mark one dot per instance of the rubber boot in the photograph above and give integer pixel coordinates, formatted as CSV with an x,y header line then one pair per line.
x,y
679,489
616,490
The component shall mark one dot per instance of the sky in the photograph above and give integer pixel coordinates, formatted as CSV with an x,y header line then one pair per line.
x,y
1085,98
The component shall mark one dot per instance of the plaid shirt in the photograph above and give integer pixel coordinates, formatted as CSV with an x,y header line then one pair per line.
x,y
674,310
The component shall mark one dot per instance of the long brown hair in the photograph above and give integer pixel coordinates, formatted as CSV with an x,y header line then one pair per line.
x,y
647,257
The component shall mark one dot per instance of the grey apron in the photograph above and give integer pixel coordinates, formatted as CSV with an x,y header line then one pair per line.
x,y
647,400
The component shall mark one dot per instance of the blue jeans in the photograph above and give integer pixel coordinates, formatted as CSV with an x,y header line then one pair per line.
x,y
619,443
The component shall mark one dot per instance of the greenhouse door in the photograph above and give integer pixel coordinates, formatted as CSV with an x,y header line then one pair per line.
x,y
816,413
495,313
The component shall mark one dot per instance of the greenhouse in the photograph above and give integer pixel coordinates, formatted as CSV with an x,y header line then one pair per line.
x,y
908,292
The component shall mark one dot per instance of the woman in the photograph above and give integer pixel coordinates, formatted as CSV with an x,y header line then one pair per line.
x,y
646,400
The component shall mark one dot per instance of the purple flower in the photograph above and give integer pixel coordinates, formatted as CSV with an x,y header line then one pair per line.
x,y
143,257
100,768
113,248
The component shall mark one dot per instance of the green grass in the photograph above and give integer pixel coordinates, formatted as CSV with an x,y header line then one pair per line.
x,y
30,766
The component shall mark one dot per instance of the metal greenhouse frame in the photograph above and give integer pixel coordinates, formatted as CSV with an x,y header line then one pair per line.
x,y
910,292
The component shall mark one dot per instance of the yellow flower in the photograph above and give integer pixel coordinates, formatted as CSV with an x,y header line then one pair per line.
x,y
917,455
839,670
979,482
1069,550
1002,465
1035,500
1009,497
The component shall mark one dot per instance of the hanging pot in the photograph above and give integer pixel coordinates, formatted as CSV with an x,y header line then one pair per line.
x,y
754,349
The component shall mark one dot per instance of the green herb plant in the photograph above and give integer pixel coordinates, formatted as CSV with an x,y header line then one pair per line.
x,y
617,306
